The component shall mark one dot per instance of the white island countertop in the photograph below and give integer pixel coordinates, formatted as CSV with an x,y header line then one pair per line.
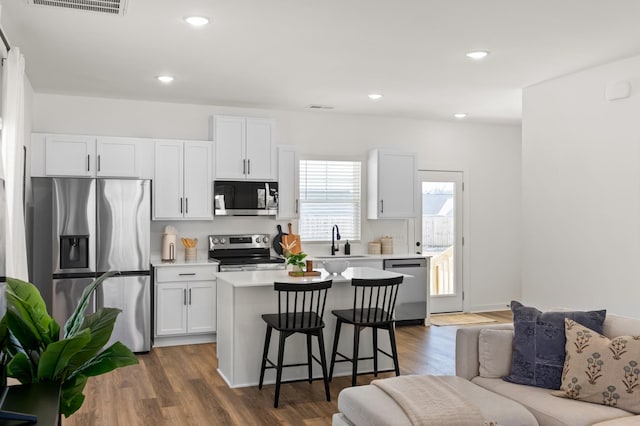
x,y
267,278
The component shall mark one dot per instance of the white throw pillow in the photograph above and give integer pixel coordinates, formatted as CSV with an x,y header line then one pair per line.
x,y
494,352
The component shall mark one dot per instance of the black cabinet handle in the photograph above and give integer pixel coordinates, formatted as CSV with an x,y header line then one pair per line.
x,y
248,167
381,206
189,296
98,163
184,292
180,205
244,167
186,205
187,274
88,162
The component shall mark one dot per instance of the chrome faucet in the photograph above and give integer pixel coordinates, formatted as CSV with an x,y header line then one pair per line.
x,y
335,235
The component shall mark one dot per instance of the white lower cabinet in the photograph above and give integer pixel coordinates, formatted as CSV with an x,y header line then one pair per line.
x,y
185,305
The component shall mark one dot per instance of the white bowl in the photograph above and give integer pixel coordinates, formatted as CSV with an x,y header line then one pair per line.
x,y
335,266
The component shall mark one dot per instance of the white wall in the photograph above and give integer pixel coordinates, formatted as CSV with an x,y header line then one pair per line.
x,y
581,191
489,156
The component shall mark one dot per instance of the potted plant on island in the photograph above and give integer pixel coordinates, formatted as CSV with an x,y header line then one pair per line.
x,y
296,260
31,349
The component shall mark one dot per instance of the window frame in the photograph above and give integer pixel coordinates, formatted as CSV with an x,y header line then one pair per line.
x,y
363,182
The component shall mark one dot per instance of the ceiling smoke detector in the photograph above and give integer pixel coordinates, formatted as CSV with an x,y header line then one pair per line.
x,y
109,7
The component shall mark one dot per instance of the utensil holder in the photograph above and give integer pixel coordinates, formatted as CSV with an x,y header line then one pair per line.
x,y
190,253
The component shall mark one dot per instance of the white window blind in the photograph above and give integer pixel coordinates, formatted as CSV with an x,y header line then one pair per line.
x,y
329,195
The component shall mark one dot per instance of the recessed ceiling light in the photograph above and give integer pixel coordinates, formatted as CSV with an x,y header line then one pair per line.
x,y
460,115
197,21
165,78
479,54
375,96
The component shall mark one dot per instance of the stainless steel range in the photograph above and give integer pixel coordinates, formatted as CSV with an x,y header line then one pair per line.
x,y
244,252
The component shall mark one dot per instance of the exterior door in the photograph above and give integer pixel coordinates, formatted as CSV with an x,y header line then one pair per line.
x,y
439,230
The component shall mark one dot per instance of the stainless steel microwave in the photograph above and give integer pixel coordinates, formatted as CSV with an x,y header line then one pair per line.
x,y
245,198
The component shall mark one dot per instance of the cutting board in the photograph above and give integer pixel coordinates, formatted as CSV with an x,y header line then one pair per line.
x,y
292,240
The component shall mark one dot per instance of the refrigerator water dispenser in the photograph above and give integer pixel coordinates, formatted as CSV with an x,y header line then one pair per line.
x,y
74,251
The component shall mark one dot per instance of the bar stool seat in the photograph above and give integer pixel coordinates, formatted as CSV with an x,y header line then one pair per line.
x,y
373,306
300,310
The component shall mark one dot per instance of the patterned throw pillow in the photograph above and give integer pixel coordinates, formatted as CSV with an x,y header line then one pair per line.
x,y
601,370
539,341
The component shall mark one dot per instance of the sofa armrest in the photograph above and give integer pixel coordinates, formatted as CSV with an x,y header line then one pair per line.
x,y
467,363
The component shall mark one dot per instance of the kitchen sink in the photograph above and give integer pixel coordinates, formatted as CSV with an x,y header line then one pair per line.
x,y
338,256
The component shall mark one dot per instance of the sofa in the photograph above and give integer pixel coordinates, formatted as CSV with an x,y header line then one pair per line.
x,y
480,363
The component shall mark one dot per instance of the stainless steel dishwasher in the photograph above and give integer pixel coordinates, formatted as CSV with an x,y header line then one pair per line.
x,y
412,302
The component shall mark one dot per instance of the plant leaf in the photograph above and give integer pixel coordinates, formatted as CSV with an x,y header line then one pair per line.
x,y
20,368
24,334
115,356
72,326
100,325
24,300
55,358
71,397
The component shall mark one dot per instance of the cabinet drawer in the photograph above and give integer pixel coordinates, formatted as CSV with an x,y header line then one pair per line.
x,y
186,273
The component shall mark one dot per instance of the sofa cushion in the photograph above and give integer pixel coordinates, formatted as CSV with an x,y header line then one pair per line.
x,y
369,405
539,343
548,409
627,421
494,352
601,370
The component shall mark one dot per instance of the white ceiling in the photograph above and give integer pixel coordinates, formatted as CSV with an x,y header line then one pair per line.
x,y
288,54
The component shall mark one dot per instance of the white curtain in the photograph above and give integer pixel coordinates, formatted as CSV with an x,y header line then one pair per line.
x,y
12,157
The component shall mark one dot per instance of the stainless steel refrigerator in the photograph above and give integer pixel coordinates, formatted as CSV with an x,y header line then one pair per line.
x,y
3,249
100,225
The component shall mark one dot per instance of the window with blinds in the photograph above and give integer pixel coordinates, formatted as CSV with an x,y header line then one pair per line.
x,y
329,195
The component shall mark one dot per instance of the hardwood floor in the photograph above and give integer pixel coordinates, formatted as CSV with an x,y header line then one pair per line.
x,y
180,386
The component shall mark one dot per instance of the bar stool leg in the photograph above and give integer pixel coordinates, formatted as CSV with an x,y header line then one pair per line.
x,y
336,337
279,368
374,330
265,352
354,360
394,349
323,361
309,360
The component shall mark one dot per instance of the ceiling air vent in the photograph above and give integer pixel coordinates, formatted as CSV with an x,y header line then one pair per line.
x,y
110,7
316,106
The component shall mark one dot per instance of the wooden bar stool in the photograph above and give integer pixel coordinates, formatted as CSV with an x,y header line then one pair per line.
x,y
373,305
300,310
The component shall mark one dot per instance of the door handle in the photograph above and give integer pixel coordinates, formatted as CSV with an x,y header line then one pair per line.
x,y
189,296
180,205
184,293
98,162
186,205
248,167
296,206
381,206
187,274
244,167
88,162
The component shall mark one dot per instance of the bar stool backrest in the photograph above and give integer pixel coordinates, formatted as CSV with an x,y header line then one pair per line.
x,y
374,301
299,301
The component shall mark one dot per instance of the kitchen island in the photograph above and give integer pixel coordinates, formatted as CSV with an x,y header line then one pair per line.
x,y
244,296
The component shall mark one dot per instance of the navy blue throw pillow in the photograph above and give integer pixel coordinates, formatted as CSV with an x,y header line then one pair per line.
x,y
539,344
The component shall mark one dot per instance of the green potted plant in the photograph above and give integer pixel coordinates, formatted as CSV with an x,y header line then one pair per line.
x,y
31,349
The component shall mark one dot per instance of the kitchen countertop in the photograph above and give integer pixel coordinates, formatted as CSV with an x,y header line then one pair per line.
x,y
369,256
157,262
267,278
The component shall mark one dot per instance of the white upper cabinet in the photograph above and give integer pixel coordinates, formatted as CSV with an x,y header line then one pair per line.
x,y
117,157
183,184
245,148
288,177
70,155
391,184
91,156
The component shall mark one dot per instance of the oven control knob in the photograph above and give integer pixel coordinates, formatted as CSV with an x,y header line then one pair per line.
x,y
265,239
223,240
214,240
257,239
